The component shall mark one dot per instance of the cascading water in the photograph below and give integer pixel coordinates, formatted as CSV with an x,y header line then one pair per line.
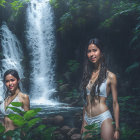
x,y
12,53
41,45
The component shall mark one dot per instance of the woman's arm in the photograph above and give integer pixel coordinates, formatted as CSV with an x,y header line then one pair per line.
x,y
115,104
26,102
83,122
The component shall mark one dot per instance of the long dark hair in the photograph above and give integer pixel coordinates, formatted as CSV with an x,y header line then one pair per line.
x,y
13,73
88,69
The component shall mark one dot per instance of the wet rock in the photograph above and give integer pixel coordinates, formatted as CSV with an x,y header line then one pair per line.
x,y
44,120
64,88
78,119
65,129
72,131
76,137
58,120
67,75
49,120
67,100
59,136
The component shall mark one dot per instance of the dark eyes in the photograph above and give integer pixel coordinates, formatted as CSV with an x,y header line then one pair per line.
x,y
93,50
9,80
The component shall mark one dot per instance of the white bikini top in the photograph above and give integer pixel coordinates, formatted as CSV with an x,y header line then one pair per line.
x,y
102,88
8,110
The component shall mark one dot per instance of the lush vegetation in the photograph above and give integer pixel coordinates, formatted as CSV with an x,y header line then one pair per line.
x,y
117,24
29,127
15,5
128,130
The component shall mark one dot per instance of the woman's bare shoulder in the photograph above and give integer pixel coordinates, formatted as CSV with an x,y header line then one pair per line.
x,y
111,75
23,95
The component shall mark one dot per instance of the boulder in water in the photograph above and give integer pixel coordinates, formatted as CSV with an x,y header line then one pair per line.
x,y
76,137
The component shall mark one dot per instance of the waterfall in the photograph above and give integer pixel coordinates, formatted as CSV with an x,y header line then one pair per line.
x,y
41,44
12,54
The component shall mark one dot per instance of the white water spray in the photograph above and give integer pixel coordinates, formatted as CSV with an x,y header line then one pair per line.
x,y
41,45
12,54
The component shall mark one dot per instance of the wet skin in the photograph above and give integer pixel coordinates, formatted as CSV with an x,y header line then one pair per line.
x,y
93,109
12,85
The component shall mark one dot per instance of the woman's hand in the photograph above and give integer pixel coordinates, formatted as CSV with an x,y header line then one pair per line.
x,y
82,129
116,135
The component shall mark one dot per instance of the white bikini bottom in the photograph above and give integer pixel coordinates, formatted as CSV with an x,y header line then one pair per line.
x,y
97,119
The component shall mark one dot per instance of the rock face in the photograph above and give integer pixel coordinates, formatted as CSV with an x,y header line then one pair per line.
x,y
64,88
76,137
58,120
67,133
63,131
72,131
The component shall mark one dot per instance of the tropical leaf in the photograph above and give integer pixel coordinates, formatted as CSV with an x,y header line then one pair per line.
x,y
2,3
17,119
90,127
33,122
15,109
2,128
16,104
132,67
31,113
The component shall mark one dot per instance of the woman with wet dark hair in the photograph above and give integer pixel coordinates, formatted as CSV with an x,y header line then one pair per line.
x,y
13,94
97,83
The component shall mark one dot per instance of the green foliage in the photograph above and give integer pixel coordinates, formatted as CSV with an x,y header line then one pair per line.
x,y
120,8
29,126
73,93
132,67
2,3
14,108
60,82
16,104
135,43
92,132
73,65
2,129
15,5
31,113
74,13
128,133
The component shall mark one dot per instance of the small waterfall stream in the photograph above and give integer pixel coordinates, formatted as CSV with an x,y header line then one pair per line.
x,y
12,54
41,45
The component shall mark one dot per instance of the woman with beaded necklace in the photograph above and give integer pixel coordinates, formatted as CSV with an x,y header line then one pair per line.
x,y
97,83
13,94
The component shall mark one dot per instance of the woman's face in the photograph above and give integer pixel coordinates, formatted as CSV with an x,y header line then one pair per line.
x,y
11,83
93,53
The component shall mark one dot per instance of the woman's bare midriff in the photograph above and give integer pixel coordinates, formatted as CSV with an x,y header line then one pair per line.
x,y
8,124
96,108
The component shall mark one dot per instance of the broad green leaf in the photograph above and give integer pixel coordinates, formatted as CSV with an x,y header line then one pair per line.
x,y
2,3
31,113
41,127
9,133
33,122
16,104
49,133
37,110
2,128
90,127
17,119
15,109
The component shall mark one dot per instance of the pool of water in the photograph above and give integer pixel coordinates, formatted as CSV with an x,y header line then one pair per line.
x,y
63,109
58,109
